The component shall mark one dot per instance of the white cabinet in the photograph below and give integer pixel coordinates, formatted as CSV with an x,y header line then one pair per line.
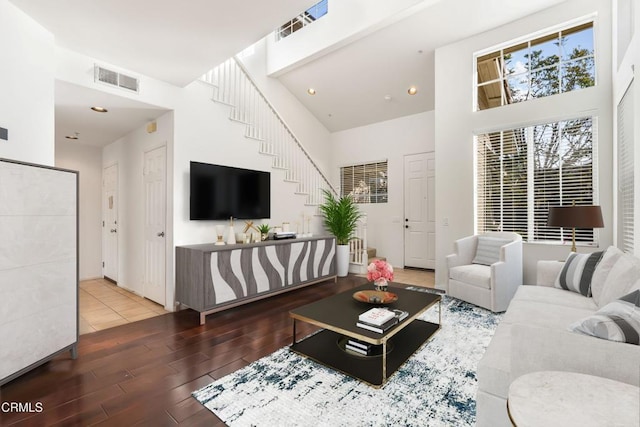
x,y
38,265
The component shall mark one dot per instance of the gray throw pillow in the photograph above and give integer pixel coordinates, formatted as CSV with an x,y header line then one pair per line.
x,y
617,321
488,250
577,272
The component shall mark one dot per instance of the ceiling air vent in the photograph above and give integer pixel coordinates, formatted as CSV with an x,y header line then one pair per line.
x,y
114,78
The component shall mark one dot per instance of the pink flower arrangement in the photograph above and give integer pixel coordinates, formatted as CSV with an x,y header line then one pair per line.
x,y
378,270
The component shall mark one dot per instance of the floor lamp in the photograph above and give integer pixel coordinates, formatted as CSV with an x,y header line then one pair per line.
x,y
575,217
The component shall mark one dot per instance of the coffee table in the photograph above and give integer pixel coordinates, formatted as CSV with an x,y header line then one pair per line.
x,y
338,314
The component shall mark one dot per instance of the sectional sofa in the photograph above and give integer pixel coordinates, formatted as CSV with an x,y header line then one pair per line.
x,y
547,327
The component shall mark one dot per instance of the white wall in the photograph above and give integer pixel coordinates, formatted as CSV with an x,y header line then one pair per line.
x,y
346,21
128,153
456,123
625,68
391,140
312,134
87,160
26,87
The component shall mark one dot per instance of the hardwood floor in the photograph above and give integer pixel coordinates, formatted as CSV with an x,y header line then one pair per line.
x,y
143,373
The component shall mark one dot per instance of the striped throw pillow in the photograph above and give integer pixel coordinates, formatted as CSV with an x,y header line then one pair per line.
x,y
617,321
577,272
488,250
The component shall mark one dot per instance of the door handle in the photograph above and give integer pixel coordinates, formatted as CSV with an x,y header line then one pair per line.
x,y
161,234
113,230
406,226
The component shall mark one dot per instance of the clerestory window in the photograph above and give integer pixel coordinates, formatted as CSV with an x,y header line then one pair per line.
x,y
307,17
559,62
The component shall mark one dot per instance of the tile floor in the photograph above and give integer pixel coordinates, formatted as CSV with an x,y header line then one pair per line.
x,y
104,305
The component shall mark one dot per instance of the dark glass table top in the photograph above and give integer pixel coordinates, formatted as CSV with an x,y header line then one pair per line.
x,y
340,312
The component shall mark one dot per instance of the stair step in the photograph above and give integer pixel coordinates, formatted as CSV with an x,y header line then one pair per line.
x,y
377,258
257,138
239,121
219,101
371,253
301,193
292,180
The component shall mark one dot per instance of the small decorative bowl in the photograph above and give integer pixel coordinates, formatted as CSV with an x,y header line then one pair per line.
x,y
375,297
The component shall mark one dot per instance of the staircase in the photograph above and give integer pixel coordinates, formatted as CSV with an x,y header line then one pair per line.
x,y
233,87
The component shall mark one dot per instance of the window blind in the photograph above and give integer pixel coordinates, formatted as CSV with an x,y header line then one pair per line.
x,y
626,178
521,172
366,183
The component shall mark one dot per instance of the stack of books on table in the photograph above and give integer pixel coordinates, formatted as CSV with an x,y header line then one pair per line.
x,y
380,319
359,347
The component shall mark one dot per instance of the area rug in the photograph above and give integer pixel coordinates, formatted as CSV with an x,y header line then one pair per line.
x,y
435,387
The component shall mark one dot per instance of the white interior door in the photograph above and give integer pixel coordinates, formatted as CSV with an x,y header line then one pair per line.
x,y
155,197
110,223
419,210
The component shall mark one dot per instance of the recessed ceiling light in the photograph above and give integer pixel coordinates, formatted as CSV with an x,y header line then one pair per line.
x,y
311,91
99,109
412,90
387,97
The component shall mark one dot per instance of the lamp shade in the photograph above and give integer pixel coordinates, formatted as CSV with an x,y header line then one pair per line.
x,y
575,217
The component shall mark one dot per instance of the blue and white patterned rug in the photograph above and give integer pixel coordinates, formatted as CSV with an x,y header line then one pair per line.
x,y
435,387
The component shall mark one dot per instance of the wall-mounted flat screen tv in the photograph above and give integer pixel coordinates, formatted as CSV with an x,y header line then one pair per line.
x,y
220,192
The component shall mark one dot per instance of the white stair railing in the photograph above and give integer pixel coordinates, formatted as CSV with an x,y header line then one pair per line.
x,y
358,247
234,87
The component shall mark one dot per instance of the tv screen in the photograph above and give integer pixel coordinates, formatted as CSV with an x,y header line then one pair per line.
x,y
220,192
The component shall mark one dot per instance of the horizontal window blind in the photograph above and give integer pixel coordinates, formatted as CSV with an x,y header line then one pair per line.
x,y
626,206
366,183
522,172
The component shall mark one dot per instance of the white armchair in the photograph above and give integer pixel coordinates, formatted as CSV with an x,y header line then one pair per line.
x,y
486,269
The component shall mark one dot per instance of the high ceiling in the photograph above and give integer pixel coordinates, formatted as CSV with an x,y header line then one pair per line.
x,y
178,41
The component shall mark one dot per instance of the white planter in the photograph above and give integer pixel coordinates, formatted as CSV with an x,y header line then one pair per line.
x,y
342,260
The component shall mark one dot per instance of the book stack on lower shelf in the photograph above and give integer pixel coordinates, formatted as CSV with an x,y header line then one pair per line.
x,y
380,319
360,347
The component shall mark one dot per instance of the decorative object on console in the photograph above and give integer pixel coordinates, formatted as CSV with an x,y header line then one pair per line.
x,y
340,218
264,231
380,272
220,234
575,217
231,238
577,272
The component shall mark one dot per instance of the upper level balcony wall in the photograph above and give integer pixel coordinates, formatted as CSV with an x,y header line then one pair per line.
x,y
346,21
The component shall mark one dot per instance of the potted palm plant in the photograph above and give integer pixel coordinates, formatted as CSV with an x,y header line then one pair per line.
x,y
341,217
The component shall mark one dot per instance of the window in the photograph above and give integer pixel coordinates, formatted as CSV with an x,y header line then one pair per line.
x,y
626,206
307,17
558,62
521,172
367,183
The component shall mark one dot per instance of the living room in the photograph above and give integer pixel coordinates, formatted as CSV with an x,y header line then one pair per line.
x,y
193,128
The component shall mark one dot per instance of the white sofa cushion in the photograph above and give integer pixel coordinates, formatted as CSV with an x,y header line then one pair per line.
x,y
472,274
494,369
553,316
609,258
577,271
488,250
555,296
623,278
617,321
